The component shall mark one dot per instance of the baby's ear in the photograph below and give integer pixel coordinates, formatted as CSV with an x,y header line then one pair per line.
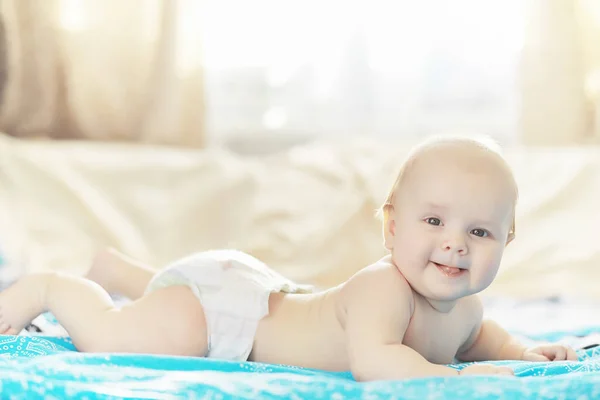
x,y
389,226
511,232
510,238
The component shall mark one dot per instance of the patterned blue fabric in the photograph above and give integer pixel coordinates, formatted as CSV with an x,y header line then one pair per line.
x,y
50,367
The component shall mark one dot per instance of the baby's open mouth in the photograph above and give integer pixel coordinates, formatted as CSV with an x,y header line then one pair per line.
x,y
448,270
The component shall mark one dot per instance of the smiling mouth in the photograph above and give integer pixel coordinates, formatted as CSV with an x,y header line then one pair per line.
x,y
449,271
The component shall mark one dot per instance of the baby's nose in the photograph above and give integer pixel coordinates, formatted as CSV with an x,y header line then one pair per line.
x,y
455,244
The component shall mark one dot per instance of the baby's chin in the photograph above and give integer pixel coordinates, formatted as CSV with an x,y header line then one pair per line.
x,y
447,293
443,297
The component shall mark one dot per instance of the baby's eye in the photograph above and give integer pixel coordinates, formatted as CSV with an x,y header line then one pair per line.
x,y
433,221
480,232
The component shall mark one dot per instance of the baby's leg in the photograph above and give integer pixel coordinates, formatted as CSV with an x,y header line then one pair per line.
x,y
119,274
167,321
21,303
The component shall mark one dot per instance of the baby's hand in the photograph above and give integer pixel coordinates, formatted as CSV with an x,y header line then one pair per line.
x,y
550,352
486,369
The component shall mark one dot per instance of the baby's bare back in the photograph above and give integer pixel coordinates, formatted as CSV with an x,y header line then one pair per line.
x,y
302,330
308,330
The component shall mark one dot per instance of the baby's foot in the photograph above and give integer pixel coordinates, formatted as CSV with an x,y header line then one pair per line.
x,y
104,268
21,303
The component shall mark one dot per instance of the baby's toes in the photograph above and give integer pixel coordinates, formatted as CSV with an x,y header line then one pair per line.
x,y
12,331
4,328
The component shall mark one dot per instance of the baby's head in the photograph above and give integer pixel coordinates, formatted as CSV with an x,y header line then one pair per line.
x,y
449,216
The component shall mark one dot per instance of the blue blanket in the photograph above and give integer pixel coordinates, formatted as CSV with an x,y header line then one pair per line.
x,y
49,366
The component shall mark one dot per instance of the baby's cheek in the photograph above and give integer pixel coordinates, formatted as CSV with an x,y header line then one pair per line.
x,y
411,251
490,275
489,272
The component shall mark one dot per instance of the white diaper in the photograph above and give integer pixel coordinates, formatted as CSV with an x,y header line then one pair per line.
x,y
234,290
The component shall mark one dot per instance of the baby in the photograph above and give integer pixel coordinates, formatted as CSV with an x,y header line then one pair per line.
x,y
447,219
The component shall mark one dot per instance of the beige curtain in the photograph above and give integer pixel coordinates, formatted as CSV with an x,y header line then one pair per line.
x,y
131,70
588,16
103,70
560,73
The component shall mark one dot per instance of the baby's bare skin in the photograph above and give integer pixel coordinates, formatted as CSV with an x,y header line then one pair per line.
x,y
309,330
302,330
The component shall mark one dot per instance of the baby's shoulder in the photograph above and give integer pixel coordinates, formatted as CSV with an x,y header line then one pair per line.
x,y
380,279
382,273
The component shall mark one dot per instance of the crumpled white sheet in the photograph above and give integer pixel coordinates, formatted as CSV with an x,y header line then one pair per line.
x,y
307,212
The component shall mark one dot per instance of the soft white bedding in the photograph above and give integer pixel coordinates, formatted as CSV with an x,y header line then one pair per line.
x,y
539,316
308,212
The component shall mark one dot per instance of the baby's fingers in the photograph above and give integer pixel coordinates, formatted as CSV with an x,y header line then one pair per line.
x,y
531,356
560,353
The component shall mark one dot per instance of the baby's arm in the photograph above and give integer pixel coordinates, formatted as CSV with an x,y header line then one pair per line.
x,y
378,303
489,341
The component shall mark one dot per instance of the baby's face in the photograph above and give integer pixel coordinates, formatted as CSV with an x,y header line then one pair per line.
x,y
449,228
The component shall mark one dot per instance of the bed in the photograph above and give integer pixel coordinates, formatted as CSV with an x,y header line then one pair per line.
x,y
297,211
